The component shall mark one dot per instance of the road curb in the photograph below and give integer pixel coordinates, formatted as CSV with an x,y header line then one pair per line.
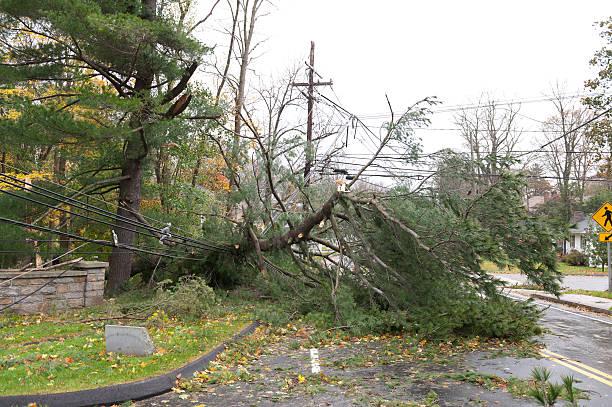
x,y
119,393
571,303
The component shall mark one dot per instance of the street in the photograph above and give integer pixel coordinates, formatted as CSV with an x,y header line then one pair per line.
x,y
577,344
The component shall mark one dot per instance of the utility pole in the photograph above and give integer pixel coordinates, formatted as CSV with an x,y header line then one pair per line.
x,y
311,85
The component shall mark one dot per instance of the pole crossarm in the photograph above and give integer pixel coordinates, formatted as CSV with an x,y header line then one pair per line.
x,y
318,83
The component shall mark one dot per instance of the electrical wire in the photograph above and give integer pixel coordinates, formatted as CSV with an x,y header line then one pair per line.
x,y
115,226
520,155
460,107
43,265
586,123
94,198
102,212
35,291
94,241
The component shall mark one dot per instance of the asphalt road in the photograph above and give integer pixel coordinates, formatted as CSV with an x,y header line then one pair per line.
x,y
577,344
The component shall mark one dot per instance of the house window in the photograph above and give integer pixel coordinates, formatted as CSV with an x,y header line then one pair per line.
x,y
572,241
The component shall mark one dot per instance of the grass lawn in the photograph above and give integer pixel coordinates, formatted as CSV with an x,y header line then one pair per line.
x,y
564,268
601,294
47,354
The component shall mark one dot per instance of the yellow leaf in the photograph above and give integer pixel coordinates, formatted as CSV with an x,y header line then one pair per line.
x,y
301,379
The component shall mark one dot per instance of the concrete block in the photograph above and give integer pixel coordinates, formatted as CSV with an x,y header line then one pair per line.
x,y
95,285
98,300
94,293
9,291
48,289
70,287
28,281
87,265
6,300
128,340
95,277
71,295
36,298
75,302
27,308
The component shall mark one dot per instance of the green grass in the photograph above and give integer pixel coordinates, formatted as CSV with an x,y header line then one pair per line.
x,y
53,354
601,294
567,269
564,268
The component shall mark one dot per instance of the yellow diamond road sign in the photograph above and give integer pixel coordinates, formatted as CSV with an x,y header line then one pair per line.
x,y
603,216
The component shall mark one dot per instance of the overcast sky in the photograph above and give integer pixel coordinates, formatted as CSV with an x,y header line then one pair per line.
x,y
455,50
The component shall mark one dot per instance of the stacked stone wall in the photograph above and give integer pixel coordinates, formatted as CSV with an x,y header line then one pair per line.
x,y
45,291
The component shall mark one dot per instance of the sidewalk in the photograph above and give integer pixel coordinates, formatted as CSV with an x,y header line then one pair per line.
x,y
597,283
593,304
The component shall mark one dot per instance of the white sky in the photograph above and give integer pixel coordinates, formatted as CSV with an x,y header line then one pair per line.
x,y
455,50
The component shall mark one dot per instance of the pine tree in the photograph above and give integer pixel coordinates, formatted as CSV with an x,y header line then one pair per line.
x,y
142,57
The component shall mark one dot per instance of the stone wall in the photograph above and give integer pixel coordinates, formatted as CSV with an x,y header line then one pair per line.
x,y
80,286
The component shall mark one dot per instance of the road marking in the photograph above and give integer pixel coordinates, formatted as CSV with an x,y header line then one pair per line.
x,y
315,367
559,309
577,369
575,362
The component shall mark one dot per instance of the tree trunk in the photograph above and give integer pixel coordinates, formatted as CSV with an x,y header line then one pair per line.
x,y
247,36
136,150
59,169
196,172
129,196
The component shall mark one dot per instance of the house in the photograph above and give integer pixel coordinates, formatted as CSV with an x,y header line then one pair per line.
x,y
578,233
533,202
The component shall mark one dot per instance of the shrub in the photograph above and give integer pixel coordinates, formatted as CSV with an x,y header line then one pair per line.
x,y
575,258
547,393
190,297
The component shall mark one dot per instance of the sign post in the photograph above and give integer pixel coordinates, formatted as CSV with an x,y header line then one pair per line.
x,y
603,216
609,268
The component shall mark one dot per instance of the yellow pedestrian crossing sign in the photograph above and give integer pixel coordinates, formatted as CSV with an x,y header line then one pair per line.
x,y
603,216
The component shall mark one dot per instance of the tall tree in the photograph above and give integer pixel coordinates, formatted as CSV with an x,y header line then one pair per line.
x,y
600,133
601,85
567,153
144,57
491,133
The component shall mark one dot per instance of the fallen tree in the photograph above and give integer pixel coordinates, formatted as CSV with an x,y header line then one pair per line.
x,y
418,247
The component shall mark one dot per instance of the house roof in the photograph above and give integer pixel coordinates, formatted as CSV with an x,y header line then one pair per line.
x,y
583,226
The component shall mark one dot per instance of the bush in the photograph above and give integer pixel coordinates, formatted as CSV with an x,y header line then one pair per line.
x,y
190,297
221,271
575,258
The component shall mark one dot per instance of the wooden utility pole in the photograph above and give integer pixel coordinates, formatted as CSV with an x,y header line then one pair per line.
x,y
311,85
